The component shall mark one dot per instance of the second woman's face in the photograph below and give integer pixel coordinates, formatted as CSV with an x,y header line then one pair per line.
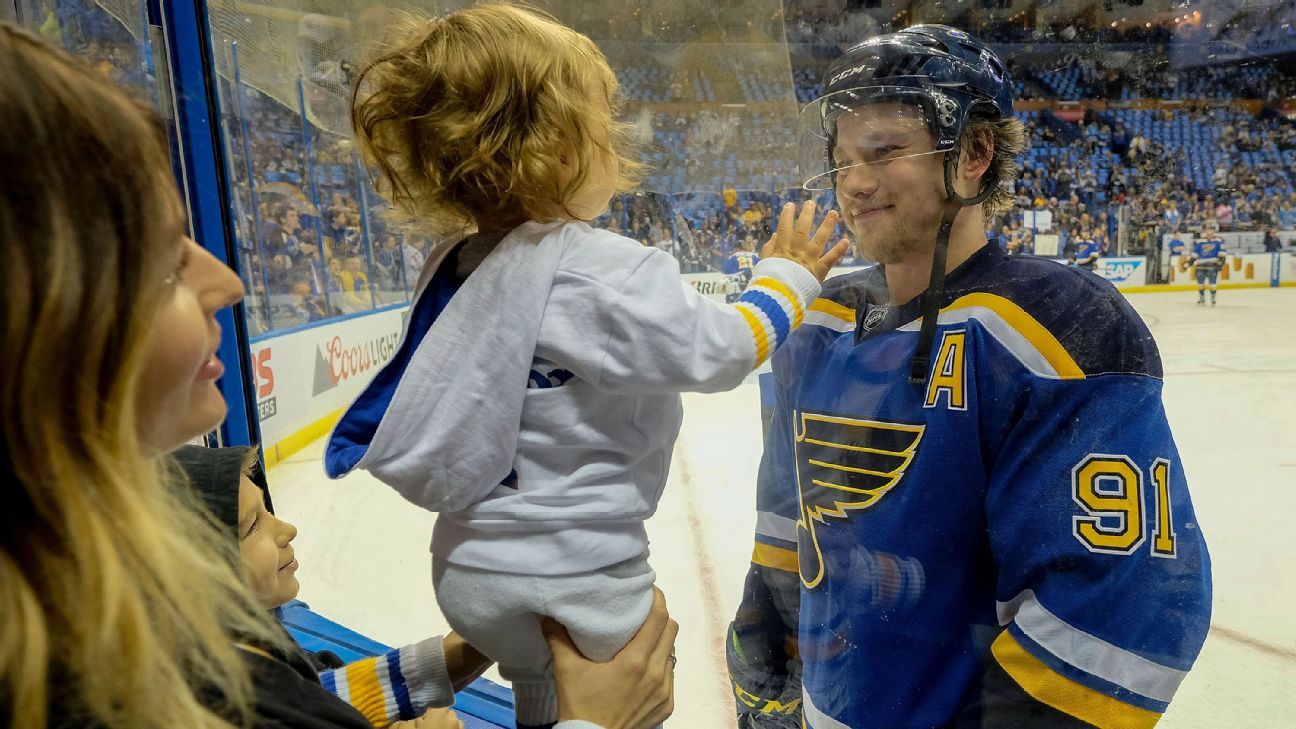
x,y
179,399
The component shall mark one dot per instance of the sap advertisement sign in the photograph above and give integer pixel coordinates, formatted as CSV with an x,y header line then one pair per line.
x,y
1123,272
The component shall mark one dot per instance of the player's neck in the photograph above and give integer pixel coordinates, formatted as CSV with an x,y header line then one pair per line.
x,y
909,278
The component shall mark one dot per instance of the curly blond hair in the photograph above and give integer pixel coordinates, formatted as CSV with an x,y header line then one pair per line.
x,y
495,114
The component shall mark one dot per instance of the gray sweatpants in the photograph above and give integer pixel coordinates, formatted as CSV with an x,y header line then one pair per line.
x,y
498,613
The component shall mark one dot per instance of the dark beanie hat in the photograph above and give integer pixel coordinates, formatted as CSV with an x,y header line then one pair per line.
x,y
214,474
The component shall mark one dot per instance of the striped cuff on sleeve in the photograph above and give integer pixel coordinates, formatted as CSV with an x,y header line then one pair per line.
x,y
398,685
775,301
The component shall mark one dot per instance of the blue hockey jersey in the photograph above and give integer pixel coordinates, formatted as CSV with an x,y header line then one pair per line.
x,y
1208,252
1087,253
740,262
1010,544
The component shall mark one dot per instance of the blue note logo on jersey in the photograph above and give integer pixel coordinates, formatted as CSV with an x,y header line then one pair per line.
x,y
844,466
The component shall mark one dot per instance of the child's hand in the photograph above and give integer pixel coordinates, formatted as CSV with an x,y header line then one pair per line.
x,y
792,240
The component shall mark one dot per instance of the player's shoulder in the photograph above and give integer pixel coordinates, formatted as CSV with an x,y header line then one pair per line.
x,y
1070,314
842,296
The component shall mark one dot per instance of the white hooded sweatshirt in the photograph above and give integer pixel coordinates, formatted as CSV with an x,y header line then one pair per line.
x,y
535,407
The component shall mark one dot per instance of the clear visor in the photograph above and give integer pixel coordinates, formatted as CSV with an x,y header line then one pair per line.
x,y
865,127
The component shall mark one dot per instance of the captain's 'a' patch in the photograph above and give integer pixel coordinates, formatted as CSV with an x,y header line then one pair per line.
x,y
844,466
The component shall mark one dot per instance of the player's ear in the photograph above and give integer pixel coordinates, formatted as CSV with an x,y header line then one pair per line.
x,y
977,152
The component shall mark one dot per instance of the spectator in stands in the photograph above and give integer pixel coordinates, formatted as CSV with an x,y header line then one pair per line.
x,y
306,304
1224,214
1139,148
412,257
386,261
281,238
1287,215
1171,215
355,284
1120,140
306,263
339,229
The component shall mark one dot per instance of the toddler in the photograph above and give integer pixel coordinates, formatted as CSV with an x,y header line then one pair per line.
x,y
534,400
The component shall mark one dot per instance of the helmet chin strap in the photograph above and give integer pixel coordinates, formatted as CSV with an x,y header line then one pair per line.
x,y
920,365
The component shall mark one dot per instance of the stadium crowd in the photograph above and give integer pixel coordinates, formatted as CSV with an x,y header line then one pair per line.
x,y
720,140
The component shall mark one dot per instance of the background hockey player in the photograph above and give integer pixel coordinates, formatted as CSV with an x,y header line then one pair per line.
x,y
739,266
972,512
1088,250
1207,258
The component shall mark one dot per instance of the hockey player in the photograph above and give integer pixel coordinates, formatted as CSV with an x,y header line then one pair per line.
x,y
739,266
1208,257
1088,250
971,511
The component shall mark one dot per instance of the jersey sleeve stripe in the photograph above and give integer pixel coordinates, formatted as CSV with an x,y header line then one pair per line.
x,y
834,310
1089,653
782,290
1049,687
778,527
777,558
757,329
830,315
1026,339
814,716
1034,332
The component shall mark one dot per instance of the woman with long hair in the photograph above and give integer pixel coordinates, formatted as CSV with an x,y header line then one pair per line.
x,y
117,604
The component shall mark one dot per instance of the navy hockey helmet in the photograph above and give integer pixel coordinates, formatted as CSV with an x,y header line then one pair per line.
x,y
943,71
946,76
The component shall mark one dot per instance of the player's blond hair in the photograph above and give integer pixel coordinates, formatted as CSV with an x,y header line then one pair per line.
x,y
118,597
481,114
1010,143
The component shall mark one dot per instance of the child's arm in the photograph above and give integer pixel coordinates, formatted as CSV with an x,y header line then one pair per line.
x,y
399,685
644,330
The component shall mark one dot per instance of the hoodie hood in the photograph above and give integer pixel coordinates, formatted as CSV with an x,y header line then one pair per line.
x,y
214,473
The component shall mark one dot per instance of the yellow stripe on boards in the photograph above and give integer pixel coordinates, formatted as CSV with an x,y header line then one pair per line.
x,y
281,450
1050,687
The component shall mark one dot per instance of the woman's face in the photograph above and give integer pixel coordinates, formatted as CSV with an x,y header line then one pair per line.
x,y
178,399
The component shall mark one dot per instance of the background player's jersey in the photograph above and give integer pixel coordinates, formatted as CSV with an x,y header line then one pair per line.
x,y
1208,252
741,262
1087,253
1011,544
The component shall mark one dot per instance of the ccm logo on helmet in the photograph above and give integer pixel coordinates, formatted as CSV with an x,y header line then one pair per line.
x,y
851,72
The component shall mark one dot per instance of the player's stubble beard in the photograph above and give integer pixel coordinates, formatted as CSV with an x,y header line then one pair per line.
x,y
895,243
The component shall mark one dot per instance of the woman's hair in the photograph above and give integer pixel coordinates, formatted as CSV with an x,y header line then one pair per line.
x,y
473,115
119,600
